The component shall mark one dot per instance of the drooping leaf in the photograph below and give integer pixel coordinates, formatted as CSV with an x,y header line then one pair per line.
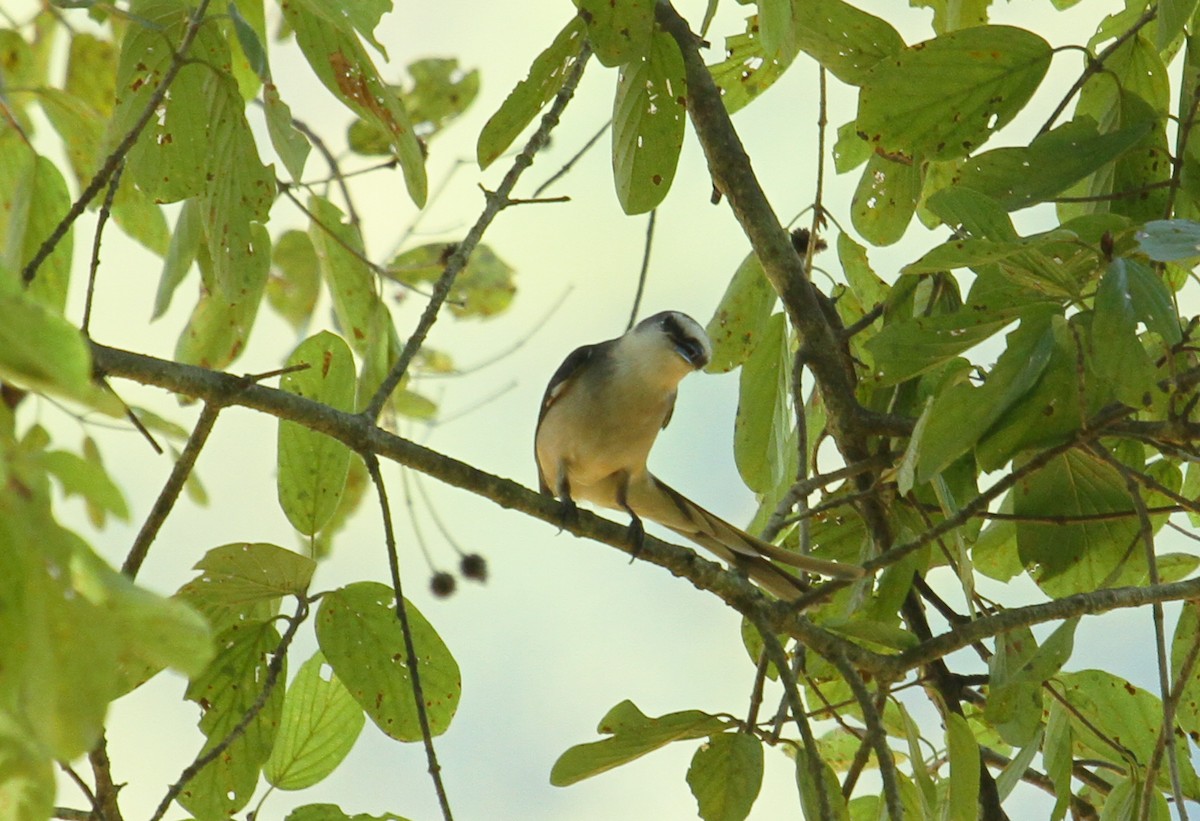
x,y
1119,359
962,414
762,430
633,734
726,776
546,77
289,143
943,98
43,352
648,120
618,32
1170,240
440,92
319,724
963,752
484,287
911,347
226,691
330,44
738,324
1116,708
295,278
358,631
1080,555
350,279
885,199
185,245
1020,177
312,466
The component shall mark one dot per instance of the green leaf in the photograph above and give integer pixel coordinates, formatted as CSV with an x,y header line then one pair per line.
x,y
1057,753
1119,359
962,414
1018,670
1182,642
977,214
747,71
331,812
220,324
885,199
1173,15
738,324
319,725
809,798
33,201
962,750
153,632
92,72
1020,177
244,573
249,40
633,735
648,121
332,49
845,39
850,151
291,145
483,288
27,785
1117,709
360,635
763,427
43,352
226,691
618,32
185,244
350,280
1170,240
726,775
546,77
87,478
313,466
1084,555
295,278
910,347
943,98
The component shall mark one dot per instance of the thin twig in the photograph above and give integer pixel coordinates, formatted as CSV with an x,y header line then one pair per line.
x,y
118,155
171,490
816,765
463,250
101,221
562,172
1095,64
412,661
876,735
641,284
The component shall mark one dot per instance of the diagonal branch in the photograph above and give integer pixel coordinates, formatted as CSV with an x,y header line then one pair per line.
x,y
496,202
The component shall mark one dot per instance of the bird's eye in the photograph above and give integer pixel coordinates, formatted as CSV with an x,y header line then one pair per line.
x,y
692,351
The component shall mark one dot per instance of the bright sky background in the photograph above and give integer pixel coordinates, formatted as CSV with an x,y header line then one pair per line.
x,y
565,628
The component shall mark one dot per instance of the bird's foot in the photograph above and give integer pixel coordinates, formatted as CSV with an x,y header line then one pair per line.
x,y
637,538
570,514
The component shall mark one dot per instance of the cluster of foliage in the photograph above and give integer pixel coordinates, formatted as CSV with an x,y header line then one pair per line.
x,y
1063,459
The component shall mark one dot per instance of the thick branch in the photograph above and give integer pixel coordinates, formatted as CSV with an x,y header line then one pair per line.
x,y
361,434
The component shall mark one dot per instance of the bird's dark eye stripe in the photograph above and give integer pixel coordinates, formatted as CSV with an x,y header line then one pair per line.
x,y
676,332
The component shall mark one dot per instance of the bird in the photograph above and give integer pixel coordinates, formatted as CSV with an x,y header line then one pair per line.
x,y
599,418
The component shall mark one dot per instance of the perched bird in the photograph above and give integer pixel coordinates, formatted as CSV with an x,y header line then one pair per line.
x,y
600,415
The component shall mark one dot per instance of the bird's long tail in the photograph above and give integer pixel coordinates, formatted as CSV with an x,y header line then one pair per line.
x,y
660,503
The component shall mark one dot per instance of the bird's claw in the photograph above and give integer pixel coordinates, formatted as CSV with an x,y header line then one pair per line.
x,y
637,538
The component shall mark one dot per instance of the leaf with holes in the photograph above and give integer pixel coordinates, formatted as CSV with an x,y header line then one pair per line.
x,y
942,99
359,633
648,120
546,78
319,724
